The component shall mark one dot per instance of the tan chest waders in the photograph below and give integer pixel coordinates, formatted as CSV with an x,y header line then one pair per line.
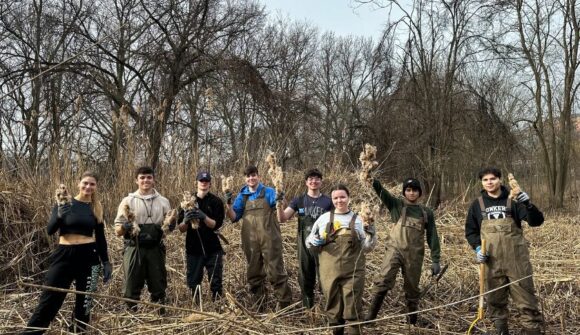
x,y
509,260
262,245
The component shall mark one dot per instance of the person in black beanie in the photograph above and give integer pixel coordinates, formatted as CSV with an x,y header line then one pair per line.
x,y
406,246
202,245
79,257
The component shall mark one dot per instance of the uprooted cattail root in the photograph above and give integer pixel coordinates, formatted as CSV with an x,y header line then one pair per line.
x,y
189,203
368,160
130,216
170,217
275,172
227,183
514,186
61,195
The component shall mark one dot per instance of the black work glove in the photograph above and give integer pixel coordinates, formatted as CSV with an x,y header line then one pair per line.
x,y
280,196
107,272
229,196
435,269
63,210
127,226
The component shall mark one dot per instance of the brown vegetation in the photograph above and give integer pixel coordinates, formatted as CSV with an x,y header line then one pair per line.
x,y
450,304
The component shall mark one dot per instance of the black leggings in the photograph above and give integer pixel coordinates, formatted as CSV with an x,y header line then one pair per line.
x,y
78,263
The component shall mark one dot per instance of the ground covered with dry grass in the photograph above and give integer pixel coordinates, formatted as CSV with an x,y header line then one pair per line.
x,y
450,305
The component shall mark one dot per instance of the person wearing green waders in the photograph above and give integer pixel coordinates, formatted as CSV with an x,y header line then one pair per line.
x,y
144,254
405,247
497,219
308,206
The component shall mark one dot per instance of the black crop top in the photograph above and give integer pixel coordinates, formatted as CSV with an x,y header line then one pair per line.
x,y
80,220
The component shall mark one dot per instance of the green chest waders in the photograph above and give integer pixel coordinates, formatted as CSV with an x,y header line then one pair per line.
x,y
307,261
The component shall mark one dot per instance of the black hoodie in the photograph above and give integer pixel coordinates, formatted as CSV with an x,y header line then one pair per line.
x,y
495,209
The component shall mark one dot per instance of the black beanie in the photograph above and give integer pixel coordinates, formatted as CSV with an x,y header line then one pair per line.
x,y
412,183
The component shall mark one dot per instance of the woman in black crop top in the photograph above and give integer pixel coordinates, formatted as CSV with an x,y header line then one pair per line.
x,y
82,248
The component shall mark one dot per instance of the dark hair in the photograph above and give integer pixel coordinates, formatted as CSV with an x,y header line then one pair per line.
x,y
312,173
90,174
340,187
144,170
489,170
250,169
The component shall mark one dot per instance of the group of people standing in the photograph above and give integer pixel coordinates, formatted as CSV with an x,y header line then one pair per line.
x,y
331,242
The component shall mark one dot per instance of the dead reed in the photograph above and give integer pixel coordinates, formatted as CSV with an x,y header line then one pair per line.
x,y
554,249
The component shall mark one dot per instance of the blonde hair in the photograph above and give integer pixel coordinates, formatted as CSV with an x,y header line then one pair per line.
x,y
96,204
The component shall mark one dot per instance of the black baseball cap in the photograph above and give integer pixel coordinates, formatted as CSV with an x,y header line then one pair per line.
x,y
203,175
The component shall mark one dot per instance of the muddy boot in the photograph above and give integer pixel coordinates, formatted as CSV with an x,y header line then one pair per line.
x,y
375,306
531,331
338,331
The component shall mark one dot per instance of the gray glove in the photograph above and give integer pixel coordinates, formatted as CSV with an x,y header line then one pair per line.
x,y
480,257
523,198
371,230
435,269
198,214
189,215
63,210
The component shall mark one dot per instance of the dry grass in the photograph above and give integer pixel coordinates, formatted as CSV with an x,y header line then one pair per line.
x,y
555,253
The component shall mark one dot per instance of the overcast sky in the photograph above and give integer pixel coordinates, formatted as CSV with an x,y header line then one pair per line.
x,y
339,16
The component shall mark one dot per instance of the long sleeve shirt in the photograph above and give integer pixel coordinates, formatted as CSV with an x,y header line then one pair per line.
x,y
495,208
238,206
341,221
395,206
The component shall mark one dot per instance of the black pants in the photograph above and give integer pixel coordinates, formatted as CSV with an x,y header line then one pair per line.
x,y
214,266
78,263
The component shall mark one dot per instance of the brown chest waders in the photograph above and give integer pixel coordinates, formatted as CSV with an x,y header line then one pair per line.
x,y
509,260
342,263
262,246
405,251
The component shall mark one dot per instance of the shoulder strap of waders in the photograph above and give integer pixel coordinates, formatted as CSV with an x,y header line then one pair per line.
x,y
246,196
482,208
403,217
353,233
330,228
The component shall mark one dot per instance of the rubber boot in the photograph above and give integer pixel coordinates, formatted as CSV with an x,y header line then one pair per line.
x,y
531,331
501,327
375,306
412,307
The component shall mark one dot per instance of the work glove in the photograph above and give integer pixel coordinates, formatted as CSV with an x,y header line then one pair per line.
x,y
479,256
370,229
523,198
317,242
280,196
435,269
63,210
107,272
127,226
198,214
189,215
229,197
